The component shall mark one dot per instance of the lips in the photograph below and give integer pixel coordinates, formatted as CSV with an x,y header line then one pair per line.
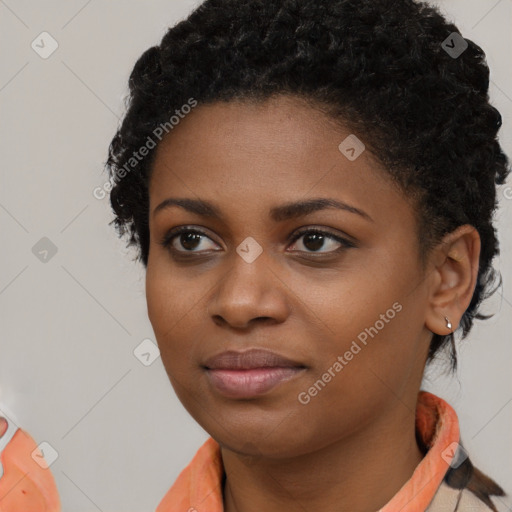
x,y
255,358
251,373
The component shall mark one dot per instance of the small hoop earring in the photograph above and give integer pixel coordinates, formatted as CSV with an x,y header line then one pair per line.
x,y
448,323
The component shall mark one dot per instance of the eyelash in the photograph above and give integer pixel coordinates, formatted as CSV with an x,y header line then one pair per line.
x,y
169,237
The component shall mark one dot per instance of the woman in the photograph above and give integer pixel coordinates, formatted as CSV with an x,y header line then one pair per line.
x,y
310,186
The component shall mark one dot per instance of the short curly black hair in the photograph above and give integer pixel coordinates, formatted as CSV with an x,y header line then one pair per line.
x,y
380,67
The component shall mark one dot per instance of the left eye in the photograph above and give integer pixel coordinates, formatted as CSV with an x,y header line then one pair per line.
x,y
314,239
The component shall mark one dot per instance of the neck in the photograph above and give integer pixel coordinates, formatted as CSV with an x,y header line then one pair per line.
x,y
361,472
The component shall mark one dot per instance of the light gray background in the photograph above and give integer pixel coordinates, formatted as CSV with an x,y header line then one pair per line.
x,y
68,374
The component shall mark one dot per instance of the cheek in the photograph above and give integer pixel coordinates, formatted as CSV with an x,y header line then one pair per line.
x,y
175,323
351,303
370,320
165,307
174,310
168,297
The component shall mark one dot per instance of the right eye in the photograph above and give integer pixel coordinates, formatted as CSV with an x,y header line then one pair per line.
x,y
188,238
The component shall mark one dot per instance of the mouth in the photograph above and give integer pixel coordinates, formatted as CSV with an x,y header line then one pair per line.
x,y
251,373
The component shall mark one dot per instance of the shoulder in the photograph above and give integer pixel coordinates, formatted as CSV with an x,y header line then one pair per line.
x,y
26,482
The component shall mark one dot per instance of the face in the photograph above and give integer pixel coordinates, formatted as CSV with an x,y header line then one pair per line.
x,y
336,291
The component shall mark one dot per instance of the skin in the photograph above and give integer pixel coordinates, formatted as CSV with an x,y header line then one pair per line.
x,y
358,432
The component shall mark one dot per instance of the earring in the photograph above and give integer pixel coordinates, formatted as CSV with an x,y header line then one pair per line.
x,y
448,323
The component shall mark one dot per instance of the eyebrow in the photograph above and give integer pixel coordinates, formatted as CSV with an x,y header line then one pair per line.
x,y
277,214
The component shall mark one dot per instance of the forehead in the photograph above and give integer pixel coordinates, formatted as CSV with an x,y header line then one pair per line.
x,y
282,127
264,153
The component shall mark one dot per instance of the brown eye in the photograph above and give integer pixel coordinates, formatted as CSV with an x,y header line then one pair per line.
x,y
189,241
315,239
187,238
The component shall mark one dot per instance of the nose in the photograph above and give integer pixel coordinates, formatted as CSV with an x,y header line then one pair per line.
x,y
249,293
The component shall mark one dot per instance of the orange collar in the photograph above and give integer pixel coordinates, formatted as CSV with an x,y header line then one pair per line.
x,y
199,485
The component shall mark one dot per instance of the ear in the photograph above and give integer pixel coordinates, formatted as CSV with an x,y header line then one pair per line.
x,y
456,261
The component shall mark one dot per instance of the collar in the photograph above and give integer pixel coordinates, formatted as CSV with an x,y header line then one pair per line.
x,y
199,485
